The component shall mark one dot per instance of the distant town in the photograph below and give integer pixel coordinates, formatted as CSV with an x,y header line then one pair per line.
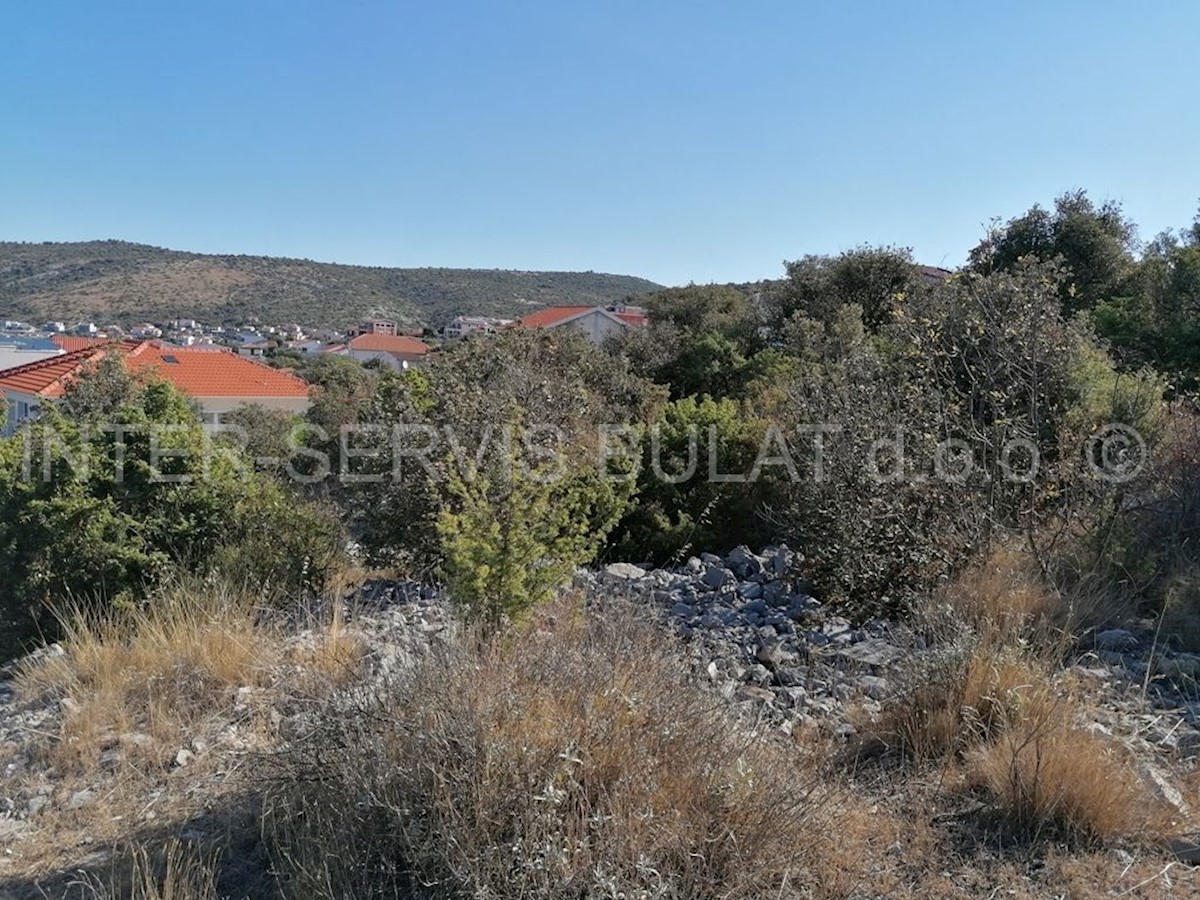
x,y
223,368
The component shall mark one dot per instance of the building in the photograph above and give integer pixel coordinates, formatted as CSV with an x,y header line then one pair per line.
x,y
17,351
251,343
374,326
394,351
69,343
218,380
934,274
596,322
461,326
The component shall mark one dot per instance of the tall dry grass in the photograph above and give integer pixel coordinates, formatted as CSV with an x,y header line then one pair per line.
x,y
1049,779
155,672
959,696
174,871
574,759
987,701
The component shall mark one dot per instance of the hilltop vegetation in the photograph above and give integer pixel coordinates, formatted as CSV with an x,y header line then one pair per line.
x,y
117,280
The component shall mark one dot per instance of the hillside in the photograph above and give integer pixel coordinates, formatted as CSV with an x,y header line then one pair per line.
x,y
125,282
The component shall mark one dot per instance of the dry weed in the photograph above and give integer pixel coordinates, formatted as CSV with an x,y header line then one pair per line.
x,y
573,759
1049,779
156,672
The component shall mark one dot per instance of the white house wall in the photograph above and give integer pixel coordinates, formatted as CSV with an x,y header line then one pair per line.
x,y
595,325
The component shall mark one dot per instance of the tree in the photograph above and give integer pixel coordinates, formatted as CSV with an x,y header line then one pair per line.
x,y
510,541
1095,243
962,419
98,395
702,340
496,419
1156,320
678,506
704,309
872,278
100,509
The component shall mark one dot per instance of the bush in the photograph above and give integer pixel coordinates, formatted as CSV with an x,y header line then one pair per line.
x,y
87,512
574,759
510,544
671,515
510,496
876,531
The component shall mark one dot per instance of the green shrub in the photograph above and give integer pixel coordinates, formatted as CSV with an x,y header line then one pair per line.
x,y
88,511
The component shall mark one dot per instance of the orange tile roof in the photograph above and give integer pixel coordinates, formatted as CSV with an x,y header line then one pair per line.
x,y
213,372
389,343
200,372
71,343
545,318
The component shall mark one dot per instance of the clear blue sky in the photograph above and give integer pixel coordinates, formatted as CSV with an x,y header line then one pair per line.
x,y
676,140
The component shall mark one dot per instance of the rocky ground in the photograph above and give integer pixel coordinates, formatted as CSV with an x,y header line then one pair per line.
x,y
747,628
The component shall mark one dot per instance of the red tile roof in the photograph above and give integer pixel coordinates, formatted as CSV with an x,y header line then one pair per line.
x,y
71,343
200,372
213,372
554,315
389,343
47,377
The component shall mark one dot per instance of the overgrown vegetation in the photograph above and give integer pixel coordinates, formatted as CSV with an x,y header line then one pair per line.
x,y
1001,459
574,760
119,488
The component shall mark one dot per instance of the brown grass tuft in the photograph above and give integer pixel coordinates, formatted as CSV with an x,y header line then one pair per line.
x,y
156,670
960,696
176,871
1050,779
1003,597
332,654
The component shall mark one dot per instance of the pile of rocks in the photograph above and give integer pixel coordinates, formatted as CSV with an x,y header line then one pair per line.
x,y
755,632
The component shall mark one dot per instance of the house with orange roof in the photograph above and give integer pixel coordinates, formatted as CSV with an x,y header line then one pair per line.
x,y
596,322
396,351
217,379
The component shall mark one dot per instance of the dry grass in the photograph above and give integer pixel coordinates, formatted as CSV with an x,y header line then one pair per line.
x,y
1003,598
177,871
960,696
573,759
156,671
1049,779
989,699
332,654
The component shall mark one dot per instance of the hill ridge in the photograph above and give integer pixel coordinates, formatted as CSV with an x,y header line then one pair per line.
x,y
123,281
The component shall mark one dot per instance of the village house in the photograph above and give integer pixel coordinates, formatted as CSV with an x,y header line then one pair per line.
x,y
394,351
461,326
374,326
596,322
218,380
